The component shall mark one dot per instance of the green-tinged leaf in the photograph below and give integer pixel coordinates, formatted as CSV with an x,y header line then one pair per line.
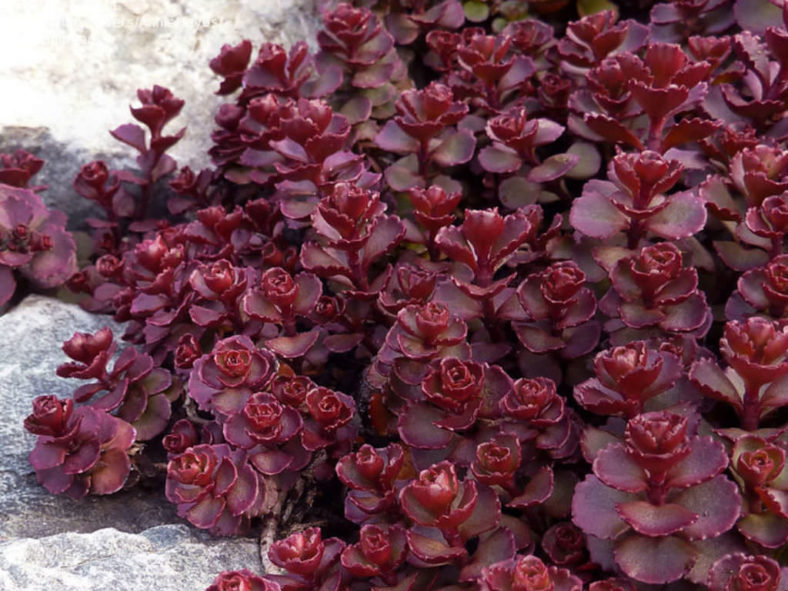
x,y
588,160
586,7
553,168
476,11
767,529
458,148
756,15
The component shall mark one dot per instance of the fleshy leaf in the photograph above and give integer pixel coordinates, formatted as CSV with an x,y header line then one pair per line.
x,y
706,459
654,560
616,468
655,520
684,216
712,381
594,508
417,427
458,148
553,168
767,529
430,546
499,160
595,216
717,503
537,491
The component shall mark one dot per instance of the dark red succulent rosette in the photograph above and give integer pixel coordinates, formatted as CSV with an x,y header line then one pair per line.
x,y
653,289
659,491
558,312
626,378
263,420
514,138
486,240
762,290
424,133
309,561
409,284
33,241
215,488
534,412
355,39
17,168
134,389
231,64
741,572
593,38
79,450
421,333
497,460
223,380
380,551
634,201
183,435
219,286
491,74
665,83
454,395
753,384
289,74
370,474
565,544
354,234
447,512
331,421
758,173
282,299
241,580
90,352
527,572
269,430
763,477
770,218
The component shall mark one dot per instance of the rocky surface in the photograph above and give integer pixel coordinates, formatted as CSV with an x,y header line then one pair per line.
x,y
31,336
52,542
164,558
70,68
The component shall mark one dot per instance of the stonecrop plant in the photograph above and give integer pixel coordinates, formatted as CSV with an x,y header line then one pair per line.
x,y
482,295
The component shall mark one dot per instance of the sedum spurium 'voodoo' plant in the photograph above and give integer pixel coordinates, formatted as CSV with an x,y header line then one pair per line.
x,y
34,243
649,495
464,274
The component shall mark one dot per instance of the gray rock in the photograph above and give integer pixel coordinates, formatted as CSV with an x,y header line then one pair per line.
x,y
74,68
32,334
165,558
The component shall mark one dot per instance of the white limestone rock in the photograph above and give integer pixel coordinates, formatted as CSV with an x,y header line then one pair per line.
x,y
164,558
69,69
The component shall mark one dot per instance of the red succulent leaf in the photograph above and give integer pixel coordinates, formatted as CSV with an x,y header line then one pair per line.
x,y
654,560
594,508
656,520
